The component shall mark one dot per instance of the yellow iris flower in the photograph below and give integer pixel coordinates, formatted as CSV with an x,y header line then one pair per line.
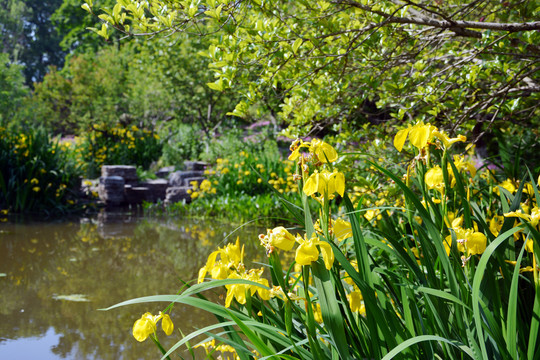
x,y
420,135
322,151
325,182
230,257
342,229
434,179
146,325
308,251
281,238
356,302
240,291
468,240
533,218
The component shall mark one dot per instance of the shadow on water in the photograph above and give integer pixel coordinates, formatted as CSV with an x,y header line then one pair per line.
x,y
55,276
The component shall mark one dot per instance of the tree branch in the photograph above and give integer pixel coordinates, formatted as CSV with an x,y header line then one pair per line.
x,y
460,27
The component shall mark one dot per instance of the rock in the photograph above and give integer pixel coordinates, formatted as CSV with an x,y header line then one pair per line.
x,y
189,180
176,194
111,190
195,165
137,194
177,177
164,172
129,173
157,189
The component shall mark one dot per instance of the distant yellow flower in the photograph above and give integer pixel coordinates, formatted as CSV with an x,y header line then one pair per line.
x,y
206,185
36,189
34,181
356,302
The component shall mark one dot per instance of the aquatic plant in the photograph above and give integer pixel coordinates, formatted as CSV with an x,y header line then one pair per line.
x,y
36,174
447,269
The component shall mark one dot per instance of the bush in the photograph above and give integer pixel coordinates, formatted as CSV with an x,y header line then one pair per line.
x,y
116,146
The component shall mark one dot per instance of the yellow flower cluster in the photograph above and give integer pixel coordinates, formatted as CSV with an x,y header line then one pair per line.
x,y
201,190
422,135
469,241
230,266
307,251
210,348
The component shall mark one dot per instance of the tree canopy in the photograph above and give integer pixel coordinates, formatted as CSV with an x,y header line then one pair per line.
x,y
328,61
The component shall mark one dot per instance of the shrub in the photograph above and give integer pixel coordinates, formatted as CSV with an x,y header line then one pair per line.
x,y
116,146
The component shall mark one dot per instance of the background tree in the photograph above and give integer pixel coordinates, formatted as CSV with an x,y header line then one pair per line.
x,y
146,83
29,37
333,60
12,89
72,24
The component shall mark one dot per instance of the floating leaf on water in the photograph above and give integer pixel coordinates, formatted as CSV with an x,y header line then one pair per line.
x,y
72,297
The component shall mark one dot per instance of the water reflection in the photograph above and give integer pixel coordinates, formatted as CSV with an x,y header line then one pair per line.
x,y
54,277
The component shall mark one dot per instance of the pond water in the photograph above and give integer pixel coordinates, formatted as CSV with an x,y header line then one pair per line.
x,y
55,276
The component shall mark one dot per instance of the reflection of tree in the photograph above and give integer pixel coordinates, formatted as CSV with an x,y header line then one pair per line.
x,y
43,260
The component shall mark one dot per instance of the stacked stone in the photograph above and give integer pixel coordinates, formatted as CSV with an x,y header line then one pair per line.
x,y
118,184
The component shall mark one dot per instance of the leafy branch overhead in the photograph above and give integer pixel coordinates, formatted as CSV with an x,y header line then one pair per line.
x,y
327,61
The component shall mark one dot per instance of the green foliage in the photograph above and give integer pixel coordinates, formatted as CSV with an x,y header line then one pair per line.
x,y
72,22
235,209
36,174
434,273
178,68
325,62
256,171
181,142
107,87
116,146
515,148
